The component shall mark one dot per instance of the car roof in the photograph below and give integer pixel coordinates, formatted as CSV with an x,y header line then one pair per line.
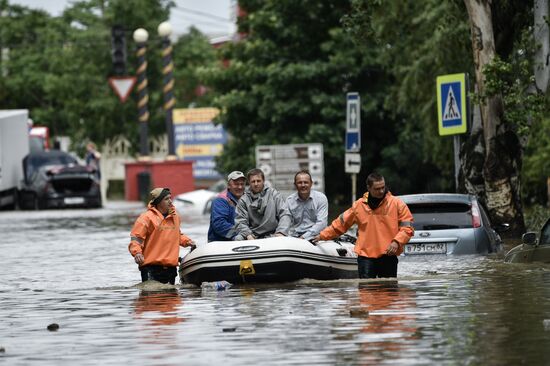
x,y
437,198
48,153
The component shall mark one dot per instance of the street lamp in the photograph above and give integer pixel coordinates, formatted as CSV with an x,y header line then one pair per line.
x,y
140,37
165,30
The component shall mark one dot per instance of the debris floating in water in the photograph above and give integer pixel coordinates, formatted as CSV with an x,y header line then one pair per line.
x,y
2,350
53,327
227,330
217,285
546,324
358,313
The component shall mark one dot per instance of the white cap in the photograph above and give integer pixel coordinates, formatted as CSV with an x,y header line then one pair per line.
x,y
235,175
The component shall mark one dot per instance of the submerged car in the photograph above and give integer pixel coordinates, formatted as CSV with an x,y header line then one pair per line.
x,y
55,179
198,202
531,249
450,223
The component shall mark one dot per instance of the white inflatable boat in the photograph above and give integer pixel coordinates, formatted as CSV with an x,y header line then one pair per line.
x,y
276,259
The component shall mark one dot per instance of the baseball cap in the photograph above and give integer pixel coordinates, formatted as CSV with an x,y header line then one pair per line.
x,y
235,175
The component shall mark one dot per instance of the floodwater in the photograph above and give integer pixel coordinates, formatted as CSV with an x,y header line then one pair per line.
x,y
72,268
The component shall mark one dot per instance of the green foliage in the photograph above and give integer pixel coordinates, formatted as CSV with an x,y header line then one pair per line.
x,y
415,42
535,217
536,167
525,108
193,52
513,80
58,67
286,83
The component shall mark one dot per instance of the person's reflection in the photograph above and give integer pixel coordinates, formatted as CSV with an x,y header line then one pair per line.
x,y
159,307
390,321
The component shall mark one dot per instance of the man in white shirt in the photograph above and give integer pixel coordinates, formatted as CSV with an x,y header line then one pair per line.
x,y
309,208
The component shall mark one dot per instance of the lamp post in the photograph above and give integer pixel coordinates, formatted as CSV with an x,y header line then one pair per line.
x,y
165,30
140,37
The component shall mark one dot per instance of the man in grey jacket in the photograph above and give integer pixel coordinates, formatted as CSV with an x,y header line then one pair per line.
x,y
261,211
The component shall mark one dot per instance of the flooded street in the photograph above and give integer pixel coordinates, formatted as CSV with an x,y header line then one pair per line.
x,y
72,268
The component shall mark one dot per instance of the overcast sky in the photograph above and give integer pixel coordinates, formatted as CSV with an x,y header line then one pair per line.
x,y
212,17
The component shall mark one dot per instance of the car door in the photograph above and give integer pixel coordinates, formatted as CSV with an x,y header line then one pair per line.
x,y
494,239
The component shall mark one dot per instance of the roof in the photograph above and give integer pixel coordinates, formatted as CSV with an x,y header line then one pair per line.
x,y
4,113
437,198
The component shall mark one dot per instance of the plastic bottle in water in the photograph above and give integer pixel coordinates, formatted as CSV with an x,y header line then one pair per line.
x,y
217,285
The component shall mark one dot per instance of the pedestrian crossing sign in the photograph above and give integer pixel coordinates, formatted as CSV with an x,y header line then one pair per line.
x,y
451,104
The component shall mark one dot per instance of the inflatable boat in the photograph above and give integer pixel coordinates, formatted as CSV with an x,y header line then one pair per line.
x,y
275,259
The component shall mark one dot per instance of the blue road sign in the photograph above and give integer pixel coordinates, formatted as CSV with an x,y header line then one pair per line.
x,y
353,144
353,122
451,104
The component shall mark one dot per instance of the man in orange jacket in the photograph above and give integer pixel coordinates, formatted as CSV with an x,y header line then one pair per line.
x,y
384,227
156,237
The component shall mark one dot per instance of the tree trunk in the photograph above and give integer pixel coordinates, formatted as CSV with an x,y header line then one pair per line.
x,y
498,182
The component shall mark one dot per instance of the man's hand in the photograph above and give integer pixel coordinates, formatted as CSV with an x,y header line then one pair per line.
x,y
250,237
316,239
138,258
192,245
279,234
392,249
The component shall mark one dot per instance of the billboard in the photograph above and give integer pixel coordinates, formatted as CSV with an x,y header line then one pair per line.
x,y
198,139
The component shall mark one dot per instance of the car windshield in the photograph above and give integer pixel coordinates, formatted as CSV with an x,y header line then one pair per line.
x,y
440,216
34,163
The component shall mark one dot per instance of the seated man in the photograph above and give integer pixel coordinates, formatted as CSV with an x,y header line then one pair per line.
x,y
261,211
309,208
222,216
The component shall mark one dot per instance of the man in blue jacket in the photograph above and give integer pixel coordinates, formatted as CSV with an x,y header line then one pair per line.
x,y
222,216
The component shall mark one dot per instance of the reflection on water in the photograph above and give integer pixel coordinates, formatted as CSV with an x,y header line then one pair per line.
x,y
158,307
391,318
71,267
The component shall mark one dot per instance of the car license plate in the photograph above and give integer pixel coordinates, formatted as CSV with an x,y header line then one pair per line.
x,y
73,200
426,248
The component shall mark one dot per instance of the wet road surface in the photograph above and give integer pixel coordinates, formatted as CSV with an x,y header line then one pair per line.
x,y
72,268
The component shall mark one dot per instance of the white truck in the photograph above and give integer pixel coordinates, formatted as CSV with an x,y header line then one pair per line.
x,y
14,146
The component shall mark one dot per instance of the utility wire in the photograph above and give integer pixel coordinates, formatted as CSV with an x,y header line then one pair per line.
x,y
191,23
198,12
205,22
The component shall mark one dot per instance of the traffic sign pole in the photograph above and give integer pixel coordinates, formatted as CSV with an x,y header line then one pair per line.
x,y
456,148
452,110
353,139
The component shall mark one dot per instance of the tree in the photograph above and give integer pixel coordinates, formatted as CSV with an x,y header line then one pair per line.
x,y
286,83
57,67
504,72
432,38
192,52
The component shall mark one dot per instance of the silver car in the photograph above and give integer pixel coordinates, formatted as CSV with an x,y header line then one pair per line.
x,y
450,223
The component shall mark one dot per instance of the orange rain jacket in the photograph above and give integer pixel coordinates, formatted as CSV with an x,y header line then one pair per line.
x,y
391,220
157,237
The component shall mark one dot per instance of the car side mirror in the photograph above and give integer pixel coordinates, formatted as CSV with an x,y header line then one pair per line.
x,y
529,238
